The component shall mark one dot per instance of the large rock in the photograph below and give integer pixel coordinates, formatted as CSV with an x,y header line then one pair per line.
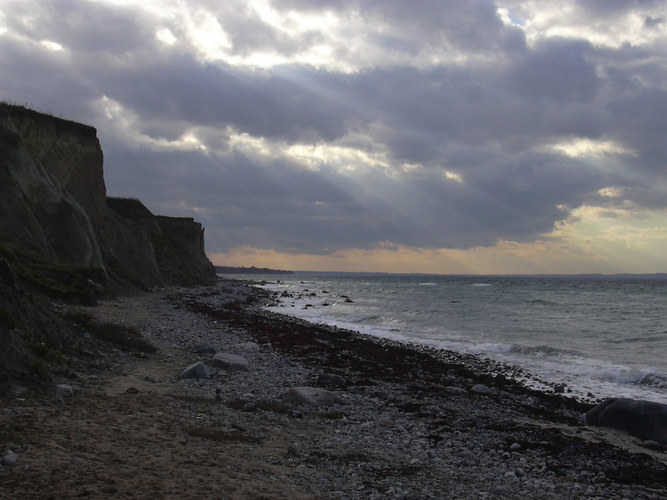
x,y
644,419
313,396
64,391
230,362
197,370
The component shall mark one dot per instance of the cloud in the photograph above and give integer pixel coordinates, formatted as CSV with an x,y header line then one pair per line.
x,y
313,127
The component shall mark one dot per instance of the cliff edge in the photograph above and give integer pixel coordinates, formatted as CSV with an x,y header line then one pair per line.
x,y
53,203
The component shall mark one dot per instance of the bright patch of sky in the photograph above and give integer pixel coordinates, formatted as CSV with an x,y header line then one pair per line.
x,y
481,136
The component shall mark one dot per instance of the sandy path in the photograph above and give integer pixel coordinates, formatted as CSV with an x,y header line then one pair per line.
x,y
155,443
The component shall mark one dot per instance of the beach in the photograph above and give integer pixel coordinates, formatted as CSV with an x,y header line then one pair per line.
x,y
404,421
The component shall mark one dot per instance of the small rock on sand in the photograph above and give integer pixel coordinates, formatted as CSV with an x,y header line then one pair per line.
x,y
313,396
8,458
481,389
64,391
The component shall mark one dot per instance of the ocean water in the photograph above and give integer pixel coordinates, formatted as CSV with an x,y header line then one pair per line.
x,y
604,336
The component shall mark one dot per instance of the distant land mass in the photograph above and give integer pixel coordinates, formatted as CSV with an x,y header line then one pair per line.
x,y
249,270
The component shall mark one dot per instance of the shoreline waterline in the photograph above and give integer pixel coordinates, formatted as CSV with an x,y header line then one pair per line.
x,y
592,369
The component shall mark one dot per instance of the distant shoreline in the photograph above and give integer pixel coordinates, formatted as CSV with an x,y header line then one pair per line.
x,y
264,270
249,270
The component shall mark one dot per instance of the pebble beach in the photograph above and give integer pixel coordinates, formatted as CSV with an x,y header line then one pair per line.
x,y
280,408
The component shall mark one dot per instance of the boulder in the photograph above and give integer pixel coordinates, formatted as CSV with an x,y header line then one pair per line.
x,y
8,458
481,389
230,362
64,391
313,396
643,419
196,370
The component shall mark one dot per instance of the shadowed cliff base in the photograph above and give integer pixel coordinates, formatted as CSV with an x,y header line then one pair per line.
x,y
63,241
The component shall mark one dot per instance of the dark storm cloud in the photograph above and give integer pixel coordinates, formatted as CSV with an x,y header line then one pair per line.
x,y
470,25
486,119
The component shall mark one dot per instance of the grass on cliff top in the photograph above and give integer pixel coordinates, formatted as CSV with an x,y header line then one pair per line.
x,y
19,111
130,208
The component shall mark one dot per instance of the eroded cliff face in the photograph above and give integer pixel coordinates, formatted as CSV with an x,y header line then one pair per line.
x,y
36,210
62,238
53,202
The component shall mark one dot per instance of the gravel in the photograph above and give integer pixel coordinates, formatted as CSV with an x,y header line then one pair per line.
x,y
446,426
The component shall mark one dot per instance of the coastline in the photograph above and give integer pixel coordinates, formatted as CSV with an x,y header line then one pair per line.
x,y
413,422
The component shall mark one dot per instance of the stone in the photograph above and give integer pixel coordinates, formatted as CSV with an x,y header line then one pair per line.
x,y
313,396
515,447
246,347
481,389
248,407
455,390
230,362
95,288
644,419
197,370
205,348
331,380
64,391
9,458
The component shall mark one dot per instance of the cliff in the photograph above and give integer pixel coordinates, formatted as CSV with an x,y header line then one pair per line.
x,y
61,238
53,204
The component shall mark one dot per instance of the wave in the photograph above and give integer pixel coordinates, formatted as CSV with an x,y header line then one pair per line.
x,y
653,379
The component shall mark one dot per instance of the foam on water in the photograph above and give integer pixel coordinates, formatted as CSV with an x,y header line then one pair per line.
x,y
607,339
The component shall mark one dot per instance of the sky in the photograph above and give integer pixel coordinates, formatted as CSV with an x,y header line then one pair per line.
x,y
431,136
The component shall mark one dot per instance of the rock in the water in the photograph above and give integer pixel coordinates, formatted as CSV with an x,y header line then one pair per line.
x,y
205,349
196,370
64,391
230,362
644,419
331,380
311,396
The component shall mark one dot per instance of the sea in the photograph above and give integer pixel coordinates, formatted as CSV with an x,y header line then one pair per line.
x,y
596,336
